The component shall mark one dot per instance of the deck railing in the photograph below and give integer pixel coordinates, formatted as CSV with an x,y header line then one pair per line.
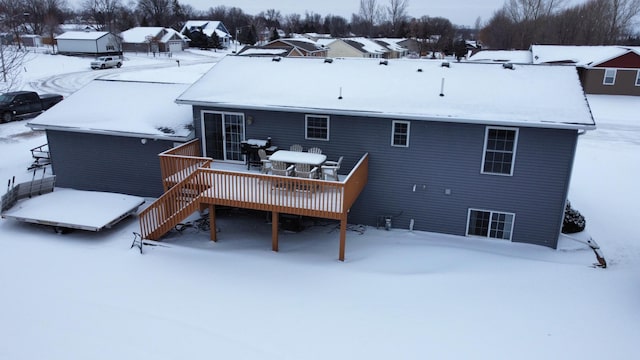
x,y
172,207
179,162
192,183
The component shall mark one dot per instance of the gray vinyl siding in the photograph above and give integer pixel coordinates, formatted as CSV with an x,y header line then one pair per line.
x,y
107,163
440,156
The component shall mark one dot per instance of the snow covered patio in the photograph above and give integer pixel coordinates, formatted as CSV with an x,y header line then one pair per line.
x,y
75,209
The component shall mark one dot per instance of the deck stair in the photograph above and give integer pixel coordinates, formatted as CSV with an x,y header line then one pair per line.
x,y
182,200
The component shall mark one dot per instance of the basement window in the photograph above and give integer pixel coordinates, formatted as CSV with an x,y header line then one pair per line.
x,y
490,224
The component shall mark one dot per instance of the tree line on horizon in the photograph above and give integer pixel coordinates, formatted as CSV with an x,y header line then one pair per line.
x,y
518,24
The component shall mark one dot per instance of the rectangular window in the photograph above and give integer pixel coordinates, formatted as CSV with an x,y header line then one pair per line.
x,y
499,150
490,224
400,134
638,78
316,127
609,76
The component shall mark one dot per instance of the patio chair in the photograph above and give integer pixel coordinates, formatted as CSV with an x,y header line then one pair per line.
x,y
306,171
295,147
264,159
330,169
315,150
280,168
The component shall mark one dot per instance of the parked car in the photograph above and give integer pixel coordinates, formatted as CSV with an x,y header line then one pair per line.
x,y
104,62
18,104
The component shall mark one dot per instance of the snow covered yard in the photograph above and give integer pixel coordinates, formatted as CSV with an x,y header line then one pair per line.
x,y
398,295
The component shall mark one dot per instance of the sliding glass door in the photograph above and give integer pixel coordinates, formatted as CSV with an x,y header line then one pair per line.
x,y
222,134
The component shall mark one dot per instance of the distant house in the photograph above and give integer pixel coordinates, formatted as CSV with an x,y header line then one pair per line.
x,y
394,47
356,47
208,27
31,40
613,70
112,144
89,43
298,47
460,157
153,40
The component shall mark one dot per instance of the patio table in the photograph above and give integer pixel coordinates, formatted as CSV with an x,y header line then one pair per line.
x,y
297,157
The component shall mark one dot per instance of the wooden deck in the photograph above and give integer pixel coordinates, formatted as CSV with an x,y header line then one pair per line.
x,y
191,184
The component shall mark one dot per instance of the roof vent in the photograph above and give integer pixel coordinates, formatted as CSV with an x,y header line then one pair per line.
x,y
276,59
419,70
384,62
508,66
445,64
328,61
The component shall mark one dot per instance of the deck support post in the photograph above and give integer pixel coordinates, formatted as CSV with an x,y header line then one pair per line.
x,y
274,231
343,236
212,223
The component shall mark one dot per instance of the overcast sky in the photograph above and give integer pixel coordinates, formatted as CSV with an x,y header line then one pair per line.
x,y
459,12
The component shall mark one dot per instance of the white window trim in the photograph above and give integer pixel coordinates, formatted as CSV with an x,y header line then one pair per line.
x,y
393,132
484,150
638,78
491,212
604,79
306,124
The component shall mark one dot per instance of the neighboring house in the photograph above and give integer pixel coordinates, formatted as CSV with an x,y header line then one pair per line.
x,y
297,47
439,148
395,50
112,144
153,40
31,40
613,70
208,27
356,47
89,43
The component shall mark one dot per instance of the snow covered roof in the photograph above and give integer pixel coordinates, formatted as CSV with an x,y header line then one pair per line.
x,y
392,44
578,55
139,34
502,56
126,108
82,35
207,26
251,51
366,45
528,95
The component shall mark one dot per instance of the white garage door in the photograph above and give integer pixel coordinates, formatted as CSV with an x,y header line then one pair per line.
x,y
175,46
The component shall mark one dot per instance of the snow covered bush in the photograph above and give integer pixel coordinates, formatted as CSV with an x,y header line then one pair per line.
x,y
573,221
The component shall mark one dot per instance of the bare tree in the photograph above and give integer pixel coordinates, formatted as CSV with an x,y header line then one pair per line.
x,y
12,17
12,60
397,13
370,13
620,17
103,13
531,10
156,12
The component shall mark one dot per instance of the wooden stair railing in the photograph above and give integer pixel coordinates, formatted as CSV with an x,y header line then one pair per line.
x,y
172,207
